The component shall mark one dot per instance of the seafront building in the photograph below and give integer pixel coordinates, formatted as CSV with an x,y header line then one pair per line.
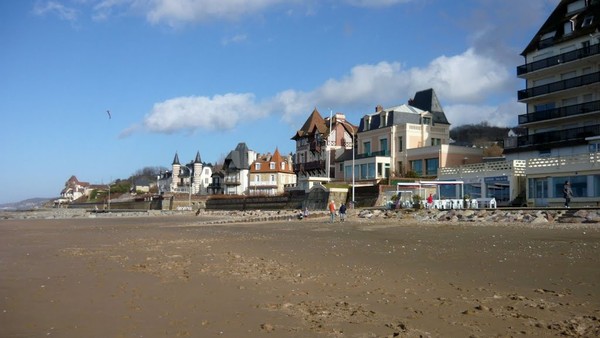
x,y
270,174
562,78
395,141
318,143
192,178
562,119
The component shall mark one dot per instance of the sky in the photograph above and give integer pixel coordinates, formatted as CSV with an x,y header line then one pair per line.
x,y
100,89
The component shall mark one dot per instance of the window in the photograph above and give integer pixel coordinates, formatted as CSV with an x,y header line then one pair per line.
x,y
427,121
341,167
383,146
256,178
578,185
587,21
272,178
257,166
367,147
436,141
568,28
272,165
544,106
431,166
400,145
417,167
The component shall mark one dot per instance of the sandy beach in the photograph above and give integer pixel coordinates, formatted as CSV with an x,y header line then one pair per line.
x,y
178,276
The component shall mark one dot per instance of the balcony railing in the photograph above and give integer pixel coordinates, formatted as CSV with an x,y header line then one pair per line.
x,y
314,165
559,59
570,135
555,113
373,154
559,85
232,180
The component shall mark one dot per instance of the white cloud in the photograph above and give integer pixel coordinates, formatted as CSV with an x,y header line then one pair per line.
x,y
55,8
462,83
504,115
467,78
174,12
221,112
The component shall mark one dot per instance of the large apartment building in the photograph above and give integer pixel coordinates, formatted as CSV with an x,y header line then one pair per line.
x,y
562,96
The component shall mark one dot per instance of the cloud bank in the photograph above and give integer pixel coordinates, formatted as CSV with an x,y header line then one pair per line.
x,y
463,82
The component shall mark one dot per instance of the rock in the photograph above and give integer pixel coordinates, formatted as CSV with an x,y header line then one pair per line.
x,y
539,220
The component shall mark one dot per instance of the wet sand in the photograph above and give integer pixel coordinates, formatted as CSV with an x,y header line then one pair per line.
x,y
177,277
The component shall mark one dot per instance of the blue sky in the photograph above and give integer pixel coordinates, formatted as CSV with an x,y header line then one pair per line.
x,y
203,75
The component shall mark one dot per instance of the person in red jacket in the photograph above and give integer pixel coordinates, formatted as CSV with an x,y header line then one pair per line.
x,y
332,210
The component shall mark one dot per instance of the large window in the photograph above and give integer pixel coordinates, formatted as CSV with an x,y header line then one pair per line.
x,y
417,167
431,166
383,146
367,148
578,186
371,172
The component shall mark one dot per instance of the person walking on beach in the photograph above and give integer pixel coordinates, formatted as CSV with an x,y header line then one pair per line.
x,y
332,210
567,193
342,212
429,201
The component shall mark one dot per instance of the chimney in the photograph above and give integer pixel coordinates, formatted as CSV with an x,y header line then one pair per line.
x,y
378,108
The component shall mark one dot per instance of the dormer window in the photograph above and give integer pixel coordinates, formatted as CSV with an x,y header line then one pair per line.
x,y
272,165
568,28
257,166
587,21
282,165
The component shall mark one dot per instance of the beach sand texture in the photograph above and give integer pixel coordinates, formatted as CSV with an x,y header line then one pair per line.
x,y
179,277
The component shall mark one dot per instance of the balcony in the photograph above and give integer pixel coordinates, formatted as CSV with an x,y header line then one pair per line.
x,y
232,180
373,154
572,136
263,184
556,113
308,166
559,59
553,87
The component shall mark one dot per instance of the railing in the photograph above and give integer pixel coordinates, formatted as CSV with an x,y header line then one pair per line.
x,y
263,183
542,162
232,181
517,166
549,114
314,165
574,82
559,59
558,136
373,154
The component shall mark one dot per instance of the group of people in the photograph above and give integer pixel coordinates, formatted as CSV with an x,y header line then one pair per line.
x,y
341,211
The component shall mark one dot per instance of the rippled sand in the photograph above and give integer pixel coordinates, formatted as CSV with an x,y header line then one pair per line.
x,y
178,276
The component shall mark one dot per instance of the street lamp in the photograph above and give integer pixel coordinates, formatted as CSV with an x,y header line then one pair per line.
x,y
109,197
353,145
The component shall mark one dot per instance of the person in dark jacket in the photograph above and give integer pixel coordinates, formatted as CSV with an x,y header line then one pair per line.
x,y
342,212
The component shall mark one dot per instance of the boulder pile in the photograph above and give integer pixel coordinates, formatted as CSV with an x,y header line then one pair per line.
x,y
533,216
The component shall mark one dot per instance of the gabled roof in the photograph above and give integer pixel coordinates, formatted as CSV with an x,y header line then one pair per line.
x,y
560,16
267,159
427,100
315,122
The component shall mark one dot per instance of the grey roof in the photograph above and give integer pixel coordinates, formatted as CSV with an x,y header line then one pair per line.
x,y
238,158
397,115
176,159
198,160
427,100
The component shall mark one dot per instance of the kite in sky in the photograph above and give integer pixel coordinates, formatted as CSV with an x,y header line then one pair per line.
x,y
108,112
